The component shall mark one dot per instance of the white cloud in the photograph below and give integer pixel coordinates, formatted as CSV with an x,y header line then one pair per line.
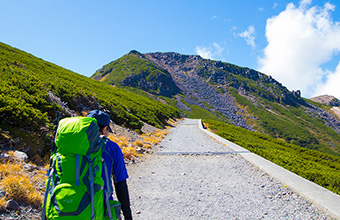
x,y
275,5
305,3
204,52
249,36
213,53
300,41
332,85
233,29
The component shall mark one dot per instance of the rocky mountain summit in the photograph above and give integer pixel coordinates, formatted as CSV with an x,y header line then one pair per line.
x,y
197,90
331,101
224,74
203,88
196,81
327,100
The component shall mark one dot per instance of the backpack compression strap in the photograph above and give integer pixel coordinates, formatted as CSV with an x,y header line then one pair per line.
x,y
77,170
107,191
43,214
50,174
91,185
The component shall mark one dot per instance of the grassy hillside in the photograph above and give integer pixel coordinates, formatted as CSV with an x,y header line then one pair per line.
x,y
321,168
130,64
33,90
135,70
292,124
257,101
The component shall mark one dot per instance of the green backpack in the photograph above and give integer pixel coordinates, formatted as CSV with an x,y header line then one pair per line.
x,y
75,188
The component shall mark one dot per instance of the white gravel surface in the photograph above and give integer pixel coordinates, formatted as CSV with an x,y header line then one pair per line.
x,y
193,176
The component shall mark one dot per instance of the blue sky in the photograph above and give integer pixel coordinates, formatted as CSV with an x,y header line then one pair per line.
x,y
296,42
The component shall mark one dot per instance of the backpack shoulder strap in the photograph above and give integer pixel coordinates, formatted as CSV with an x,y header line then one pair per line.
x,y
104,141
47,190
109,190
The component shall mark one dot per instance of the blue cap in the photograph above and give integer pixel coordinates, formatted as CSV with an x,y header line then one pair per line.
x,y
102,118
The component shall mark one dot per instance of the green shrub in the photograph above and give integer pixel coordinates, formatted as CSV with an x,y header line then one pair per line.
x,y
321,168
27,83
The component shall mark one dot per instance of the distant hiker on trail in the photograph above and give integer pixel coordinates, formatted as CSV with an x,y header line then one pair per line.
x,y
114,160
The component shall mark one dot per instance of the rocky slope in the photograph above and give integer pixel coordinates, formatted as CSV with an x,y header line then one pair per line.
x,y
327,100
233,94
224,74
336,111
196,89
197,81
331,101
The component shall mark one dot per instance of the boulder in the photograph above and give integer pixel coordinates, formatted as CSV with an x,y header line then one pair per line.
x,y
21,156
12,205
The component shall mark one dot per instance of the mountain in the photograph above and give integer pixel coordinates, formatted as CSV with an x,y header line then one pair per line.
x,y
140,89
203,88
330,101
146,75
327,100
35,94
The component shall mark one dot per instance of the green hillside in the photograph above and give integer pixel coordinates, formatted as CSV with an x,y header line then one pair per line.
x,y
33,93
33,90
292,124
321,168
134,70
236,95
132,63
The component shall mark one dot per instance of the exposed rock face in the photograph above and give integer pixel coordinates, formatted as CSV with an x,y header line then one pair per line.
x,y
224,74
196,90
327,118
205,81
336,111
209,84
327,100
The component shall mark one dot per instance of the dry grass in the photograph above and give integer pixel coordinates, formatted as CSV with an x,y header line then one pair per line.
x,y
19,184
148,146
130,152
21,189
121,141
154,137
147,141
138,143
127,149
11,153
8,168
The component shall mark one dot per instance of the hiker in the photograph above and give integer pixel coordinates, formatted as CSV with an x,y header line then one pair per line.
x,y
114,160
75,187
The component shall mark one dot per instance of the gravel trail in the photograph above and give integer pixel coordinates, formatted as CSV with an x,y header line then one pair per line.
x,y
192,176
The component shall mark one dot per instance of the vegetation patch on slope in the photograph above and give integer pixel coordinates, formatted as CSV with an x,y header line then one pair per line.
x,y
226,92
318,167
293,124
135,70
33,90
